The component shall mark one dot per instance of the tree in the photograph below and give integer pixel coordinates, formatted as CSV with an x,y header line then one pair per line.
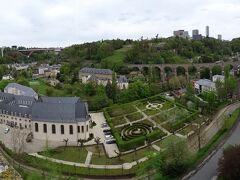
x,y
189,89
108,89
211,98
49,91
229,164
23,82
174,83
97,141
114,86
66,142
170,163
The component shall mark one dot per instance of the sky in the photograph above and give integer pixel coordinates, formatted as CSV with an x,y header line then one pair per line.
x,y
61,23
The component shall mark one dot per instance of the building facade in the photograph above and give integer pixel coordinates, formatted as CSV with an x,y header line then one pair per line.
x,y
47,118
101,77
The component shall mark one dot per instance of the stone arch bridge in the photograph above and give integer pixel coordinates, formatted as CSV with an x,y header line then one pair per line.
x,y
164,69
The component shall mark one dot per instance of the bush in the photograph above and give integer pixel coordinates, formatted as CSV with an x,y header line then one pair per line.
x,y
155,135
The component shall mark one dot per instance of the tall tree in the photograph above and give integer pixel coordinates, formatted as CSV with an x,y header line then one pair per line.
x,y
114,86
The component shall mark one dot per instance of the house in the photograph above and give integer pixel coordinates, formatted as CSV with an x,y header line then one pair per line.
x,y
122,82
48,118
101,77
46,70
203,85
216,78
7,77
20,67
18,89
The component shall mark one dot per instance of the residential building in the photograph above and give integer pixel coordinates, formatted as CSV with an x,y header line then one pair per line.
x,y
203,85
18,89
7,77
101,77
122,82
181,33
218,78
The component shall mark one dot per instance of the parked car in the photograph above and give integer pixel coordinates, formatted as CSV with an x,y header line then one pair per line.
x,y
104,125
111,141
6,130
108,137
107,133
107,130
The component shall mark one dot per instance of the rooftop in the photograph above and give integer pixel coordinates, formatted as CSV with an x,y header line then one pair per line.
x,y
96,71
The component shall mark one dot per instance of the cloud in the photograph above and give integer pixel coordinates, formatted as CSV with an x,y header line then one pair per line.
x,y
47,23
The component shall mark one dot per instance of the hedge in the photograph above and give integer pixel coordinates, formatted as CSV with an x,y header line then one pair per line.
x,y
155,135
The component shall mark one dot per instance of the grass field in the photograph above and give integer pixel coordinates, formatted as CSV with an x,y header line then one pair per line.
x,y
73,154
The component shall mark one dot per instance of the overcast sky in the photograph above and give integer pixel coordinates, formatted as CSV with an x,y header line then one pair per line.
x,y
48,23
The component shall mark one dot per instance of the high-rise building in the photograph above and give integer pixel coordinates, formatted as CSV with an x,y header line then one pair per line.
x,y
196,35
207,31
181,33
219,37
195,32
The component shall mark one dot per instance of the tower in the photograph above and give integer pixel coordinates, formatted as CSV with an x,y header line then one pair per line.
x,y
207,31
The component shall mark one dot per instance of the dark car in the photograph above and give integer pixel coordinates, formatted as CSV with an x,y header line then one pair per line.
x,y
107,130
111,141
107,133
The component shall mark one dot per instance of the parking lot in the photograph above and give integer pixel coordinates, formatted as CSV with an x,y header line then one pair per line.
x,y
98,132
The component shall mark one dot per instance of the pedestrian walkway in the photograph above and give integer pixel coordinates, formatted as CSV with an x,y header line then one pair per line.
x,y
157,148
120,166
88,158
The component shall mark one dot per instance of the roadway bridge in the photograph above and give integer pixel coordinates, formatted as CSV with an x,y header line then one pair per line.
x,y
165,70
32,50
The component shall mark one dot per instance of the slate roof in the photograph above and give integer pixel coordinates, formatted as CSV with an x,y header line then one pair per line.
x,y
26,91
60,110
46,109
122,79
96,71
206,82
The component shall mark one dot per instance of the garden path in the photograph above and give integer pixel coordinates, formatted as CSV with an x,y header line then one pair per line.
x,y
88,158
156,147
120,166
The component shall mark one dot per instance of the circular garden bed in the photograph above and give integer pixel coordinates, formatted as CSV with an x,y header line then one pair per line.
x,y
135,130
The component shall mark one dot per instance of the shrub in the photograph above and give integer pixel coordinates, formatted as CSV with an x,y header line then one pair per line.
x,y
155,135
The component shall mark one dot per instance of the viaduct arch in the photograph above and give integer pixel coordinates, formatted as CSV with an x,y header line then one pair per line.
x,y
167,70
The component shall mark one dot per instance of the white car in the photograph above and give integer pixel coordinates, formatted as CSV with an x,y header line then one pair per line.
x,y
107,137
6,130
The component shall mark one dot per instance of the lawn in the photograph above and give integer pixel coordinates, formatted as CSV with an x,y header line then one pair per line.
x,y
151,112
118,120
159,118
133,156
118,110
73,154
41,87
164,143
134,116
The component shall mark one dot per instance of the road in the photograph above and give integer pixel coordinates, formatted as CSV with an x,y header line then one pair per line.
x,y
209,170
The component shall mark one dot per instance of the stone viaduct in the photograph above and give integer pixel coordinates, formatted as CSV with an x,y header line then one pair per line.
x,y
164,69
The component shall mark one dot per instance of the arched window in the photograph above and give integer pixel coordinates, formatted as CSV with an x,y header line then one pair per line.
x,y
82,129
53,129
36,127
62,129
70,129
44,128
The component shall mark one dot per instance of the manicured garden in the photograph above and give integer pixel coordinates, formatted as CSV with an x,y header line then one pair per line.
x,y
143,120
